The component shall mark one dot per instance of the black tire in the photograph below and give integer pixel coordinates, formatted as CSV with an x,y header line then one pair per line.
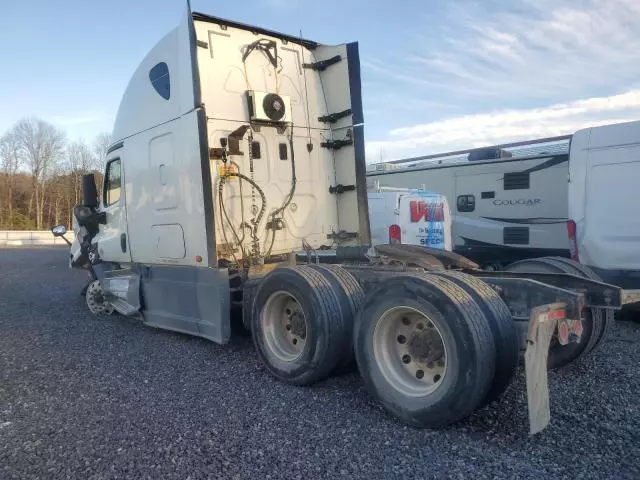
x,y
561,355
350,295
469,344
607,315
501,323
325,325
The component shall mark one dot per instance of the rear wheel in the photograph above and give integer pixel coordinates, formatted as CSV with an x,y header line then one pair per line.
x,y
561,355
504,331
350,296
424,349
297,325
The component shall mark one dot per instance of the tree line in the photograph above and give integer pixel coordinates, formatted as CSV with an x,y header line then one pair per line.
x,y
41,174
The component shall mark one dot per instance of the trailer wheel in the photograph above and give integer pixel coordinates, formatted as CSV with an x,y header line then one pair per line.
x,y
504,331
607,316
297,325
424,349
350,295
561,355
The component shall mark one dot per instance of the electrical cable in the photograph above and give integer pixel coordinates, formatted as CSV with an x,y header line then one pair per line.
x,y
254,228
224,232
263,198
242,222
289,197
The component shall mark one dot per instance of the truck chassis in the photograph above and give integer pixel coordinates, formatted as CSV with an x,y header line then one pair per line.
x,y
433,336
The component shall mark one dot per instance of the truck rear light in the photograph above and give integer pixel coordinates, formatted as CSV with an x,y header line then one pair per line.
x,y
395,234
573,240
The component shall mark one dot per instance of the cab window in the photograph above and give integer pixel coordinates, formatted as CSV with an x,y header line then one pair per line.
x,y
112,183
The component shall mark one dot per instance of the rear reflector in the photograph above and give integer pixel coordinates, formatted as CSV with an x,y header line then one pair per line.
x,y
573,241
395,234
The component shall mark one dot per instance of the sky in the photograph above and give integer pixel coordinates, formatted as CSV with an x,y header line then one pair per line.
x,y
437,75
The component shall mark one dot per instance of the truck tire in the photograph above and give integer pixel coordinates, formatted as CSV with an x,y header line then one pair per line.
x,y
424,349
504,331
608,315
561,355
297,325
350,295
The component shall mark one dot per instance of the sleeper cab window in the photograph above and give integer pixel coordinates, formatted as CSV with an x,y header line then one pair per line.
x,y
159,76
112,182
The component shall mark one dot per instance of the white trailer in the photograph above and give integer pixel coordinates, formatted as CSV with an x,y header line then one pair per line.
x,y
238,155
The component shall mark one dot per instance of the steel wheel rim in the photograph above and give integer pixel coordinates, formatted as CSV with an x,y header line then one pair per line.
x,y
95,299
410,351
284,326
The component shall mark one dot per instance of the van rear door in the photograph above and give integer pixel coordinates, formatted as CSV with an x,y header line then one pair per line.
x,y
425,220
603,195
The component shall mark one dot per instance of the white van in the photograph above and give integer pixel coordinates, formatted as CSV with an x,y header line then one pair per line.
x,y
409,216
604,183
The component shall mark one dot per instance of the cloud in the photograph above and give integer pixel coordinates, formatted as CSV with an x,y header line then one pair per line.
x,y
544,49
506,125
517,70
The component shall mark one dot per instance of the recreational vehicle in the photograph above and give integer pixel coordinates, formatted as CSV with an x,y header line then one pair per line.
x,y
504,209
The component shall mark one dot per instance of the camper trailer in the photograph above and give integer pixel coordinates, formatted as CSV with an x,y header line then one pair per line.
x,y
505,207
238,156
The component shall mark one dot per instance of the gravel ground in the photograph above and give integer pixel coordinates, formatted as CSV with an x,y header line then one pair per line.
x,y
82,397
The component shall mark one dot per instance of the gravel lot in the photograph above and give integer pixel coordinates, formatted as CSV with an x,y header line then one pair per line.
x,y
82,397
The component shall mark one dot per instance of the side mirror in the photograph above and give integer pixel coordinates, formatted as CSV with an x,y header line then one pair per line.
x,y
59,230
89,191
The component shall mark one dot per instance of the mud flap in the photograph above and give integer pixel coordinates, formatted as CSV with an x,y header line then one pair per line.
x,y
542,323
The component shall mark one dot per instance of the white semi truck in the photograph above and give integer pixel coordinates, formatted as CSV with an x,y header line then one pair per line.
x,y
238,157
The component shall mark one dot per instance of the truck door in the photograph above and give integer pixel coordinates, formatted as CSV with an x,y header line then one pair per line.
x,y
112,240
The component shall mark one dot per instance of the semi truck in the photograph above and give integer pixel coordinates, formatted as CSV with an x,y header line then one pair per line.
x,y
236,182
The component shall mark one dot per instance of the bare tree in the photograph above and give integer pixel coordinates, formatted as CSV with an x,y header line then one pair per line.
x,y
100,147
80,160
43,145
11,158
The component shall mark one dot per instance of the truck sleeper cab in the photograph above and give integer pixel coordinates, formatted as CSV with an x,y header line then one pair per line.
x,y
238,156
227,143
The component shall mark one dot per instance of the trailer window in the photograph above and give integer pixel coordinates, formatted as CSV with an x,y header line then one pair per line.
x,y
112,183
466,203
159,76
516,181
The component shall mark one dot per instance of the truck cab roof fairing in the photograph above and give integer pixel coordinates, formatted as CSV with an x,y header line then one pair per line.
x,y
142,106
310,44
